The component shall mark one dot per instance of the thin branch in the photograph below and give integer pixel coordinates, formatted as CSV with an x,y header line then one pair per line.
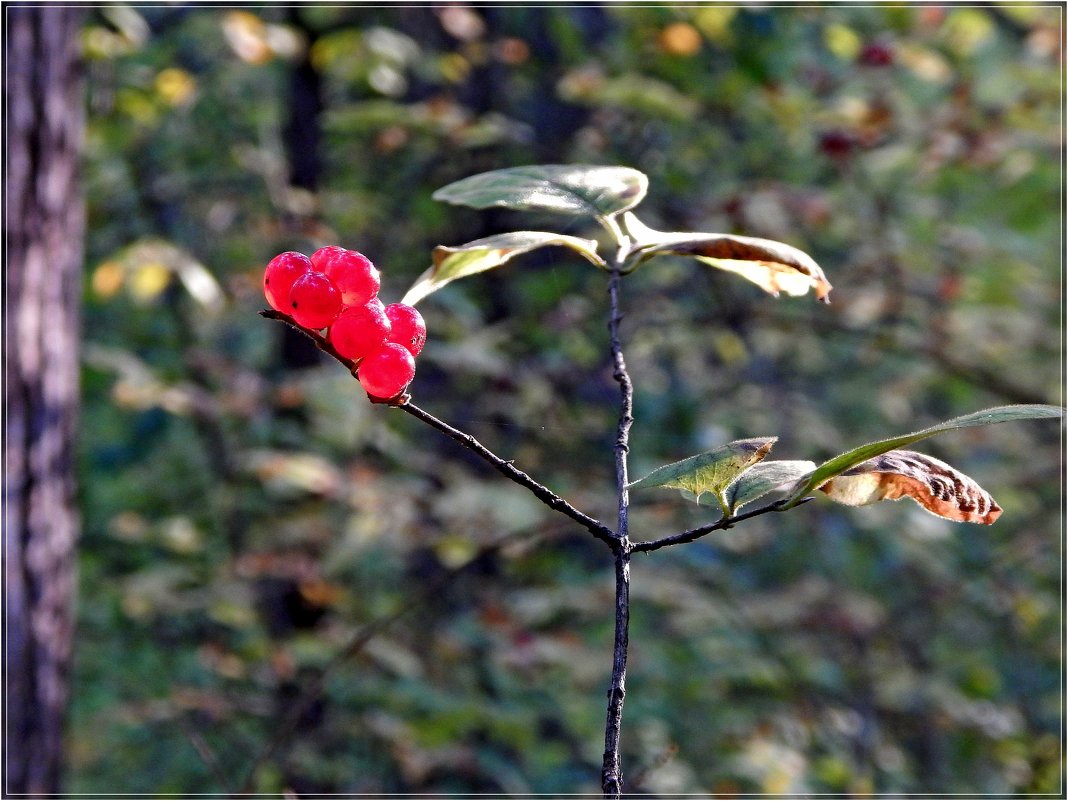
x,y
321,342
611,768
503,466
626,405
700,531
507,469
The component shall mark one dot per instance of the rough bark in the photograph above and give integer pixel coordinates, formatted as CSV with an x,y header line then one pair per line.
x,y
44,228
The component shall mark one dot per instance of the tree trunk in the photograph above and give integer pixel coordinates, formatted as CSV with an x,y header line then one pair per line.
x,y
44,229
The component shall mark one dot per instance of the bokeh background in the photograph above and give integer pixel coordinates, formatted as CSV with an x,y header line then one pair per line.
x,y
284,588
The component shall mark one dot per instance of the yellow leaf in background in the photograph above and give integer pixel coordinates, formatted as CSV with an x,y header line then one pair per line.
x,y
844,42
967,29
175,86
680,39
936,486
295,471
107,279
137,106
148,281
247,36
925,63
453,550
715,22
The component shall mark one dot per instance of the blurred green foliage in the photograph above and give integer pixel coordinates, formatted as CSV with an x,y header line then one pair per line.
x,y
247,513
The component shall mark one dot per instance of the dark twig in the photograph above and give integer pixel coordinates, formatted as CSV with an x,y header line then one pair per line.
x,y
700,531
503,466
320,341
611,769
507,469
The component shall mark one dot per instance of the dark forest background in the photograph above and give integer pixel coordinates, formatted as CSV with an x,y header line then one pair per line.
x,y
284,588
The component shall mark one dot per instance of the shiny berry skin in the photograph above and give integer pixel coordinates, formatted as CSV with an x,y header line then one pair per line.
x,y
359,330
278,278
408,329
314,301
386,372
352,272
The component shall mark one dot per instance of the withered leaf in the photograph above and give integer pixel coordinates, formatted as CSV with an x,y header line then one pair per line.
x,y
845,461
773,266
936,486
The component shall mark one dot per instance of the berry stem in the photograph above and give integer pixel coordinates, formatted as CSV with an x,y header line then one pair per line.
x,y
320,341
503,466
506,468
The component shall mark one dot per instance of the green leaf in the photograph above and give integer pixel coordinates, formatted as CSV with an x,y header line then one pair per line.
x,y
565,189
712,471
451,263
839,464
760,479
773,266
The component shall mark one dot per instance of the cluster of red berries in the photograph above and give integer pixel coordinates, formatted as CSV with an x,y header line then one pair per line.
x,y
338,289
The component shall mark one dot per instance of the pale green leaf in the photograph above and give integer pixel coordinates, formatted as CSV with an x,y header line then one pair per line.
x,y
760,479
712,471
839,464
773,266
564,189
451,263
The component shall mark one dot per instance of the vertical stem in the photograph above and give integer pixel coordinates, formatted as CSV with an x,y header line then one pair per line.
x,y
611,769
626,405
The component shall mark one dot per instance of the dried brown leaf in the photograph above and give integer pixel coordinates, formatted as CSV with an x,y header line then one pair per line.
x,y
773,266
936,486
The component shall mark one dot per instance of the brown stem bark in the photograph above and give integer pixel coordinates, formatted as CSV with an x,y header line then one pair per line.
x,y
44,228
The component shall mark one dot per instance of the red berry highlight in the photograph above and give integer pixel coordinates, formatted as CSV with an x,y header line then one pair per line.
x,y
360,330
352,273
314,301
386,372
278,278
408,328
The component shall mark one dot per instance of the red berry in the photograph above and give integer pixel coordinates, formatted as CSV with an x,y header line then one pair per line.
x,y
360,330
387,371
278,278
314,301
408,329
353,273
